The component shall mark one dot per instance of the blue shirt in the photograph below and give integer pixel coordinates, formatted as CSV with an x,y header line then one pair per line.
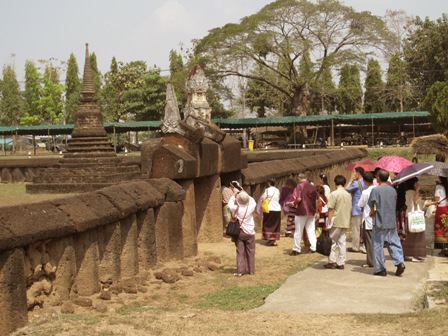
x,y
355,189
384,199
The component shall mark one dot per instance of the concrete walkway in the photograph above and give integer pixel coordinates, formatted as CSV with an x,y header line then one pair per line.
x,y
355,289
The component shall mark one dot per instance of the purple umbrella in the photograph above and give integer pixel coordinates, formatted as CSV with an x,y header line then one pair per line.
x,y
439,168
412,171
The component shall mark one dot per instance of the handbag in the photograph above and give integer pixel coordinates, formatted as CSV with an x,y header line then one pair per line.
x,y
233,227
323,244
416,220
265,203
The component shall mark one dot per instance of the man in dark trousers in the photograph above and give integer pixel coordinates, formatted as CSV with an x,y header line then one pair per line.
x,y
382,203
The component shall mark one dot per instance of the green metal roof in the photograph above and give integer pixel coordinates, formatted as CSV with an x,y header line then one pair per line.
x,y
324,119
403,117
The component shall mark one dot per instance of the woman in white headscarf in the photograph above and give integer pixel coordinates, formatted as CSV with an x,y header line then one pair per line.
x,y
243,206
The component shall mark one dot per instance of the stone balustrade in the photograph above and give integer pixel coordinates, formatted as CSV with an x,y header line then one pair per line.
x,y
60,250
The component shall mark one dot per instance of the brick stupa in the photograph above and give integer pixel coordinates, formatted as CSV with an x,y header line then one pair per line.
x,y
90,162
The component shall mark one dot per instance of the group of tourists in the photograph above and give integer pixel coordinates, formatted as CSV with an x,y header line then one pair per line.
x,y
368,203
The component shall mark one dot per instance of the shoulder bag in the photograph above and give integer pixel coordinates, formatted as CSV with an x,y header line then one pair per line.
x,y
233,227
416,220
265,203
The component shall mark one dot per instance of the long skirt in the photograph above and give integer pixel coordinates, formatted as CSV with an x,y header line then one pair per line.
x,y
290,224
271,225
440,229
414,244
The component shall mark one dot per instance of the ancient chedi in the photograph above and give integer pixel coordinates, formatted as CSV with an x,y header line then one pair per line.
x,y
90,162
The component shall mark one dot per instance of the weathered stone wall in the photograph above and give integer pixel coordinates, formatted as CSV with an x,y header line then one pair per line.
x,y
24,170
281,165
65,249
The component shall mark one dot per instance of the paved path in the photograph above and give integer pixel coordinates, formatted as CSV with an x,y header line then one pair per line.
x,y
355,289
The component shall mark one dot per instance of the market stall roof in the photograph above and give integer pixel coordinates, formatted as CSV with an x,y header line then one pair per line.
x,y
367,118
322,120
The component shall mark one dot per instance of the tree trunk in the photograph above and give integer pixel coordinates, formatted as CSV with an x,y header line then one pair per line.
x,y
301,101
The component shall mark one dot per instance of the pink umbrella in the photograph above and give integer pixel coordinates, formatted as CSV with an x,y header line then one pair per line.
x,y
367,165
393,163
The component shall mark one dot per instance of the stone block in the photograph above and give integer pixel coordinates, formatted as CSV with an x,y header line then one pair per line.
x,y
109,249
146,239
148,150
13,304
209,163
169,235
47,222
189,146
62,252
129,246
189,227
88,210
87,261
173,192
208,209
174,162
230,155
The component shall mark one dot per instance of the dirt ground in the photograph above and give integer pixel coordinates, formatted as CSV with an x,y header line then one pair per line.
x,y
178,309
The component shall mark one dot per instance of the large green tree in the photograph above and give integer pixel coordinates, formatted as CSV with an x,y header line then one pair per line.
x,y
277,36
132,92
374,88
146,100
178,77
72,89
110,96
51,104
349,90
436,102
32,95
11,100
426,54
399,92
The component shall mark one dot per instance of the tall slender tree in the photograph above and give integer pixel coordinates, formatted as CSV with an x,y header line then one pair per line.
x,y
178,77
11,100
350,90
374,88
399,94
436,102
72,89
52,106
32,95
110,97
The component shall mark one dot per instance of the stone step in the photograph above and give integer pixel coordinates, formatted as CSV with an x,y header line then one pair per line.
x,y
73,178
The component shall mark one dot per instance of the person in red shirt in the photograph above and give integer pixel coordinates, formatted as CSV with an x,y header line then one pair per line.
x,y
306,200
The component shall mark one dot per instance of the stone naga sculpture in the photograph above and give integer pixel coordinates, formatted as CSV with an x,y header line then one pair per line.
x,y
197,112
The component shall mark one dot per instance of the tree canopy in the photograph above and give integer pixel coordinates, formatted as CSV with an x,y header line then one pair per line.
x,y
280,36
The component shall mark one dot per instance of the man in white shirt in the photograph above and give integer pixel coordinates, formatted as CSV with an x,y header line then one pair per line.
x,y
366,219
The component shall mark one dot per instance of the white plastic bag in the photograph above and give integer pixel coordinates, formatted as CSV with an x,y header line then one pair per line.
x,y
416,220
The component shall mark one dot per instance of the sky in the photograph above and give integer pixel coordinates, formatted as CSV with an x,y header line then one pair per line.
x,y
136,29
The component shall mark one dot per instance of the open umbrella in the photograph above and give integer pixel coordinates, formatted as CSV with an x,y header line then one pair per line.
x,y
412,171
438,169
367,165
393,163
